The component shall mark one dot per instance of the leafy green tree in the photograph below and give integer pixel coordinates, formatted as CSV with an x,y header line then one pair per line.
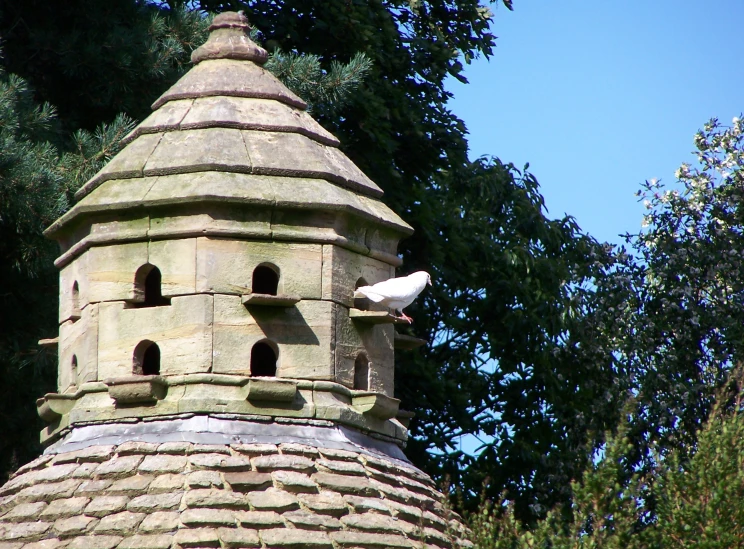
x,y
672,310
697,495
505,319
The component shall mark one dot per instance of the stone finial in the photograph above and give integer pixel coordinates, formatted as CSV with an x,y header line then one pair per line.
x,y
228,39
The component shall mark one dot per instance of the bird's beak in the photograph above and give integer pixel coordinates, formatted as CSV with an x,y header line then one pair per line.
x,y
429,282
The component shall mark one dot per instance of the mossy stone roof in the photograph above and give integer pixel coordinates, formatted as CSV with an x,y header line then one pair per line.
x,y
229,132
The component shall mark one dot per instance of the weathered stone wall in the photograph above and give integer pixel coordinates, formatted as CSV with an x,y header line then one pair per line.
x,y
206,327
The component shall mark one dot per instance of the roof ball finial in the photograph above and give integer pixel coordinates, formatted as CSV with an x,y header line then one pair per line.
x,y
228,39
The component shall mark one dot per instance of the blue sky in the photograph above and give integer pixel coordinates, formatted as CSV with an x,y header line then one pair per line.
x,y
599,96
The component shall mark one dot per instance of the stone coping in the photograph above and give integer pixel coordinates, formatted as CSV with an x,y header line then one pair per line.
x,y
216,429
232,150
245,113
153,398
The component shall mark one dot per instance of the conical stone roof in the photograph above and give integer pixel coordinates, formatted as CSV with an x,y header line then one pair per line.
x,y
230,133
229,153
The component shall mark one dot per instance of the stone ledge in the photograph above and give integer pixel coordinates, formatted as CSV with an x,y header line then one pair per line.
x,y
255,195
266,300
272,390
154,398
375,317
136,389
376,404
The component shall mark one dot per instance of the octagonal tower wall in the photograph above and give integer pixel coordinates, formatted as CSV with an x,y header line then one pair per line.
x,y
210,266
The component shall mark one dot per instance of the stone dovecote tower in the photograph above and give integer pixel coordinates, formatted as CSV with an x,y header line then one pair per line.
x,y
218,384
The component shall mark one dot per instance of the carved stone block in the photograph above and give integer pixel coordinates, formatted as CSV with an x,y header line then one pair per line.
x,y
176,260
374,344
343,271
78,349
182,331
226,266
136,389
303,335
73,289
111,270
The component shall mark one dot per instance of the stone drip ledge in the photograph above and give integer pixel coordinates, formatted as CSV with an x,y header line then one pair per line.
x,y
154,397
226,430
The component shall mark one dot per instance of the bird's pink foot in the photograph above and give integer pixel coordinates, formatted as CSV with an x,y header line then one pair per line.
x,y
404,316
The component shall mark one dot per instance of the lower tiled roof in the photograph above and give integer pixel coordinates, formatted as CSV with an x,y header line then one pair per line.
x,y
144,495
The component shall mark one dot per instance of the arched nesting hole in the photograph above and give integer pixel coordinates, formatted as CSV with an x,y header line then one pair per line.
x,y
265,280
75,298
263,360
146,359
148,282
361,373
361,302
74,369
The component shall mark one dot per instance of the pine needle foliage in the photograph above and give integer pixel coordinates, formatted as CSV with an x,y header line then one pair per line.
x,y
37,182
93,60
325,91
28,175
29,183
89,152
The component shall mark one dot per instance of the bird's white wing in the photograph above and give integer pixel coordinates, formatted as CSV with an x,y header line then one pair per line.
x,y
397,289
367,291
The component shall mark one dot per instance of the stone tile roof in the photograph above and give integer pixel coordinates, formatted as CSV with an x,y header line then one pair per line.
x,y
142,495
228,116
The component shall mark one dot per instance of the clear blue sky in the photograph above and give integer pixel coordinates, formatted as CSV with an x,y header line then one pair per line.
x,y
600,95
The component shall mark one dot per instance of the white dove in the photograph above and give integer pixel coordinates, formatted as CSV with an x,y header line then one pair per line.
x,y
396,293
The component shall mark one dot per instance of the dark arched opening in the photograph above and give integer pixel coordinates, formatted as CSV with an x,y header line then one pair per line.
x,y
151,361
263,360
146,359
361,373
153,289
361,303
148,282
74,369
75,298
265,280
